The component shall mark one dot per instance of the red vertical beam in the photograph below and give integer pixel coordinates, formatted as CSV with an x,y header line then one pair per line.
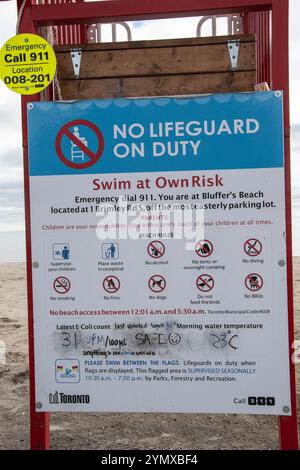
x,y
259,23
39,422
280,81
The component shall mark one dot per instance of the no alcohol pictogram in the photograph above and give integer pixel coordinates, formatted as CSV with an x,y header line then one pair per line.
x,y
254,282
61,285
205,283
111,284
253,247
79,144
156,249
157,283
204,248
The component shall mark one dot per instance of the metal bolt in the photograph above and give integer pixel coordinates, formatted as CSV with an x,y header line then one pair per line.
x,y
277,94
39,405
281,263
286,409
35,264
30,106
26,40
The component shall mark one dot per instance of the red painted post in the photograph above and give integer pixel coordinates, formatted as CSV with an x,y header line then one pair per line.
x,y
39,422
280,81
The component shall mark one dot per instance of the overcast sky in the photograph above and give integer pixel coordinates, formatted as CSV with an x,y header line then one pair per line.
x,y
11,182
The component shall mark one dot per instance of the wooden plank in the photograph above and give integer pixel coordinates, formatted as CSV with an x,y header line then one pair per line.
x,y
158,86
108,46
152,61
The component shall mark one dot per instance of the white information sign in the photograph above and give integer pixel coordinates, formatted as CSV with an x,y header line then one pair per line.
x,y
158,250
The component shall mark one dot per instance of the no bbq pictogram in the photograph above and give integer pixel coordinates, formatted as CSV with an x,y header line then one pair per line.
x,y
73,146
61,285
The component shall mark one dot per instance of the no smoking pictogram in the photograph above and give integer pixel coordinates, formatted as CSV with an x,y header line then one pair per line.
x,y
111,284
79,149
156,249
157,283
205,283
253,247
61,285
254,282
204,248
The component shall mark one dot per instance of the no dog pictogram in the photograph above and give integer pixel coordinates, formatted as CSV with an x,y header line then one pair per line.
x,y
79,154
157,283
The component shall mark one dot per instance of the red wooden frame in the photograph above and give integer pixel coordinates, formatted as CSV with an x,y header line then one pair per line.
x,y
278,73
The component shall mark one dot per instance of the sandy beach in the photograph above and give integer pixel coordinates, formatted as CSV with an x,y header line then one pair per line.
x,y
110,431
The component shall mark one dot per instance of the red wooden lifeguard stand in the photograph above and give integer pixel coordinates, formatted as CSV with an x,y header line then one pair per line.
x,y
268,19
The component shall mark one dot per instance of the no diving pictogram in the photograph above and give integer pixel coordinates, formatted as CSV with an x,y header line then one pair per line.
x,y
156,249
79,155
204,248
253,247
61,285
205,282
157,283
111,284
254,282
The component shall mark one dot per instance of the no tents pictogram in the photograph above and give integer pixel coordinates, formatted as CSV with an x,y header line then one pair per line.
x,y
77,152
204,248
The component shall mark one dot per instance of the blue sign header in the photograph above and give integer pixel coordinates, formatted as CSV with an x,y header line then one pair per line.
x,y
224,131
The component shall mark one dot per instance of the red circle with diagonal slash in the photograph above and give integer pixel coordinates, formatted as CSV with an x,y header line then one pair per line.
x,y
157,280
202,245
93,156
256,283
61,285
115,281
205,279
253,244
160,249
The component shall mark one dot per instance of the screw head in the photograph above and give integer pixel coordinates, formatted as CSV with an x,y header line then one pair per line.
x,y
281,263
30,106
26,40
39,405
277,94
35,264
286,409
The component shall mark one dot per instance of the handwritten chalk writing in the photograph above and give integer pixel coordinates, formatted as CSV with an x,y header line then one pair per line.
x,y
159,339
